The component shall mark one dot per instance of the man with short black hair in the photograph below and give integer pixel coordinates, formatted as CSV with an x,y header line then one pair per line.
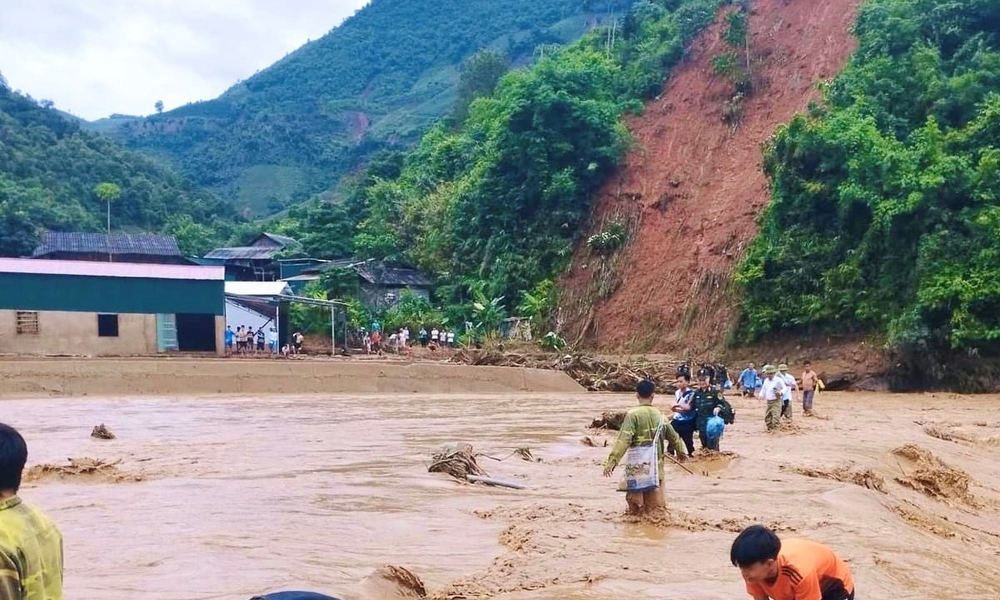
x,y
31,551
644,426
792,569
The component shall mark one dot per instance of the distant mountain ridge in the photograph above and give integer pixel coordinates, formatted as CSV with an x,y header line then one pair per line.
x,y
378,80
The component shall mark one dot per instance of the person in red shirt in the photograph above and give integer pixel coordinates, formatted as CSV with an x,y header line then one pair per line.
x,y
792,569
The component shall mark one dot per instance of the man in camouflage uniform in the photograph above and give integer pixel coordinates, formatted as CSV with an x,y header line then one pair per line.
x,y
31,551
706,398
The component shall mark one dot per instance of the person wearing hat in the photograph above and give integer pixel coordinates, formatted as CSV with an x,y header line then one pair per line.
x,y
790,386
771,391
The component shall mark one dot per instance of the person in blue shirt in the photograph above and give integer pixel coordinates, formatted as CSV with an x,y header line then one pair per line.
x,y
748,380
230,339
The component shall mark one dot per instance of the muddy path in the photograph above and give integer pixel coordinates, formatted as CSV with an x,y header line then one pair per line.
x,y
252,494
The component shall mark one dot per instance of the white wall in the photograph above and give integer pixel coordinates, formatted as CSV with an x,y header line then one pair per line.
x,y
238,316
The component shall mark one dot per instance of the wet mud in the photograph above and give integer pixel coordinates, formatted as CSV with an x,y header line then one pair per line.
x,y
250,495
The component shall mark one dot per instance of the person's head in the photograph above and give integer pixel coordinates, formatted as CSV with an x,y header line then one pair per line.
x,y
769,371
782,368
683,380
755,552
13,455
704,382
751,366
644,391
229,327
808,366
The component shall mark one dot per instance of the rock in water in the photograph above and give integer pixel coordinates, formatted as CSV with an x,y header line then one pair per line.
x,y
102,433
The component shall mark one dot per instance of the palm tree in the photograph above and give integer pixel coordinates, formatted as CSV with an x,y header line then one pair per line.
x,y
109,192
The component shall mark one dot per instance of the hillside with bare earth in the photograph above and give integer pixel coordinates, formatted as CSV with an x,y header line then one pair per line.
x,y
688,194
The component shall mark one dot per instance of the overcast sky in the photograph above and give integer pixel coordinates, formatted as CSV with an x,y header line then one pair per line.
x,y
98,57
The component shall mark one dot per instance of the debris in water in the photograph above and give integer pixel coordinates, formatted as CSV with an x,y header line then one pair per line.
x,y
525,454
457,461
102,433
391,581
586,441
93,469
865,478
609,421
932,477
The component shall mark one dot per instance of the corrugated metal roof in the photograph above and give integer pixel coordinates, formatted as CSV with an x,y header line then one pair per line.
x,y
244,253
380,275
117,243
110,269
281,240
257,288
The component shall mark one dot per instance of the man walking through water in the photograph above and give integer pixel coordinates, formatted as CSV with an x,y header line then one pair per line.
x,y
641,436
789,569
31,547
810,380
771,391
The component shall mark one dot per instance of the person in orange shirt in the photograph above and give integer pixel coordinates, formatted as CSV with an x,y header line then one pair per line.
x,y
792,569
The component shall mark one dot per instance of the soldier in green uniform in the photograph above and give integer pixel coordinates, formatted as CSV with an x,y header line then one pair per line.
x,y
706,398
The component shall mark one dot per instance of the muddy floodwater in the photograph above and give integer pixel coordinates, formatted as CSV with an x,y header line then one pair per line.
x,y
223,498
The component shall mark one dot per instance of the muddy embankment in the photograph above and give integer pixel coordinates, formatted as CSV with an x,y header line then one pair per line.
x,y
161,376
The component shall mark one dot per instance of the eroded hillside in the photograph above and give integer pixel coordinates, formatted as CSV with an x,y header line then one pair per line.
x,y
687,196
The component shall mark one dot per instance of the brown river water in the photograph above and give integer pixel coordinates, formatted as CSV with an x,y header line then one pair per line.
x,y
222,498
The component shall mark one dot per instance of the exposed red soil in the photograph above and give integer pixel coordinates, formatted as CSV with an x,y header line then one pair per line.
x,y
693,186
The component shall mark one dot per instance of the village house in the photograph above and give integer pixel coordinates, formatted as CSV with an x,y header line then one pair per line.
x,y
377,286
256,262
83,308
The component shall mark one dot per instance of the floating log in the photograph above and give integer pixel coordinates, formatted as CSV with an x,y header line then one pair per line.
x,y
493,481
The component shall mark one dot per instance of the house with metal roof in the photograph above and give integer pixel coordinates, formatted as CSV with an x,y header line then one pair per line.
x,y
256,262
117,247
72,307
380,286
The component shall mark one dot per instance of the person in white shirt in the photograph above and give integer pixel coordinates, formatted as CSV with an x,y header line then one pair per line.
x,y
771,391
434,335
790,386
683,420
451,338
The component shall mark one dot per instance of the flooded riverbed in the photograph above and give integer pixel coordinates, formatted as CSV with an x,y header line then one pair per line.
x,y
223,498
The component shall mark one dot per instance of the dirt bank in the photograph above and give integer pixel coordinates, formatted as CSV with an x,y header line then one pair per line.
x,y
692,189
163,376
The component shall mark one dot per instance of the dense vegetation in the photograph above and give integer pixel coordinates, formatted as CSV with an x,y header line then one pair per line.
x,y
49,169
885,216
379,80
492,207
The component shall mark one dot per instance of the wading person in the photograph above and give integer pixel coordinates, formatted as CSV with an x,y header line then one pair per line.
x,y
31,553
792,569
640,442
810,380
706,399
771,391
790,386
748,380
683,421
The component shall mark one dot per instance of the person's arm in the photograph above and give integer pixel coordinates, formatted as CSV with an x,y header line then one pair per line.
x,y
10,578
625,435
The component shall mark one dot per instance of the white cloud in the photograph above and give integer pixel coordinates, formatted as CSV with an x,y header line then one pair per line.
x,y
98,57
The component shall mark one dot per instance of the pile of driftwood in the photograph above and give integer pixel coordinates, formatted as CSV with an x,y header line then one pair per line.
x,y
593,374
459,461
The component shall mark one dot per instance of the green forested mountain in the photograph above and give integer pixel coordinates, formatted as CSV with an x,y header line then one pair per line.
x,y
49,168
378,80
885,216
492,207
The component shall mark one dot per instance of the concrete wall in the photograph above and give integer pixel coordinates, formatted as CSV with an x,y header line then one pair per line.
x,y
75,333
